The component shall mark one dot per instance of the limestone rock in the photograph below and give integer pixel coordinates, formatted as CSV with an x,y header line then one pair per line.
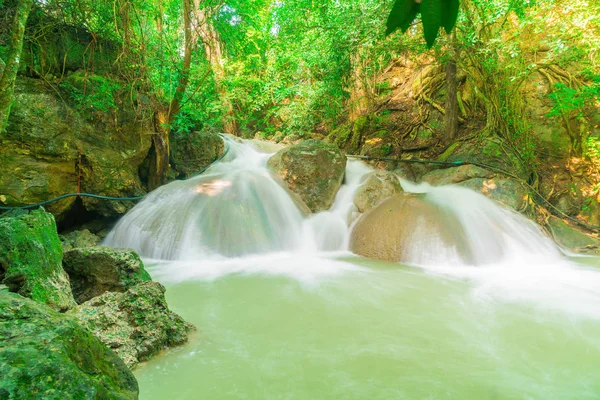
x,y
570,237
136,324
194,152
313,169
402,223
96,270
50,145
31,259
376,187
507,191
79,239
47,355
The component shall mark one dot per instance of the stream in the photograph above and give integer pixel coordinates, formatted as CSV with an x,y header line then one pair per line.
x,y
285,311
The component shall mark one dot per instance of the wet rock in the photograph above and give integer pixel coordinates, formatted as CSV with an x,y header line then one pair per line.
x,y
96,270
192,153
571,237
136,324
47,355
403,223
31,259
506,191
454,175
313,169
376,187
79,239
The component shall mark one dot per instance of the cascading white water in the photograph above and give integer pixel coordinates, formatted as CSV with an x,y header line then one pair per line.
x,y
487,232
234,209
237,209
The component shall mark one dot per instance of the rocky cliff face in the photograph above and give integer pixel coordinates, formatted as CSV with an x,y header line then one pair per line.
x,y
50,149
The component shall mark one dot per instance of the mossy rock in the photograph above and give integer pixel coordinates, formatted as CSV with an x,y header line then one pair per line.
x,y
570,237
313,169
506,191
96,270
491,151
47,355
136,324
190,154
31,259
49,147
79,239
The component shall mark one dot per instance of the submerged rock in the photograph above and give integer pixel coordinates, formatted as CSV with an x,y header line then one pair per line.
x,y
377,186
47,355
192,153
403,223
79,239
313,169
31,259
96,270
136,324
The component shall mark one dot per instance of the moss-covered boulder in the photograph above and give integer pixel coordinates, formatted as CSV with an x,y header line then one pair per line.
x,y
79,239
505,190
313,169
31,259
376,187
47,355
96,270
193,152
136,324
51,144
490,150
569,236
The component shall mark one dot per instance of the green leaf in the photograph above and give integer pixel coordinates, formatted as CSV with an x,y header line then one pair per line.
x,y
410,17
431,14
400,11
449,14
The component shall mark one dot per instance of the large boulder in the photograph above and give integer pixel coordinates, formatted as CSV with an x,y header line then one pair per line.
x,y
51,148
313,169
403,223
136,324
31,258
375,188
47,355
505,190
193,152
96,270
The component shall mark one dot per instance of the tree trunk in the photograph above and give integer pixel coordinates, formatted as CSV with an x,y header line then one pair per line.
x,y
451,117
213,49
10,66
359,101
159,163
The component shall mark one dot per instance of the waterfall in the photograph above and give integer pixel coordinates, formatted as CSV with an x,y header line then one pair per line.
x,y
234,209
237,209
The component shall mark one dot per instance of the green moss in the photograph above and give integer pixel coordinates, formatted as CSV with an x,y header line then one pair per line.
x,y
137,324
96,270
31,256
47,355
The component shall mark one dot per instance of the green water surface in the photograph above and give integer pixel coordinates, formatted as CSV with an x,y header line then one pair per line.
x,y
383,332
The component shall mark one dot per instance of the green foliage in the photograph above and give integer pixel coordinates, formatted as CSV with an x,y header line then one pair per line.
x,y
94,93
567,100
434,15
